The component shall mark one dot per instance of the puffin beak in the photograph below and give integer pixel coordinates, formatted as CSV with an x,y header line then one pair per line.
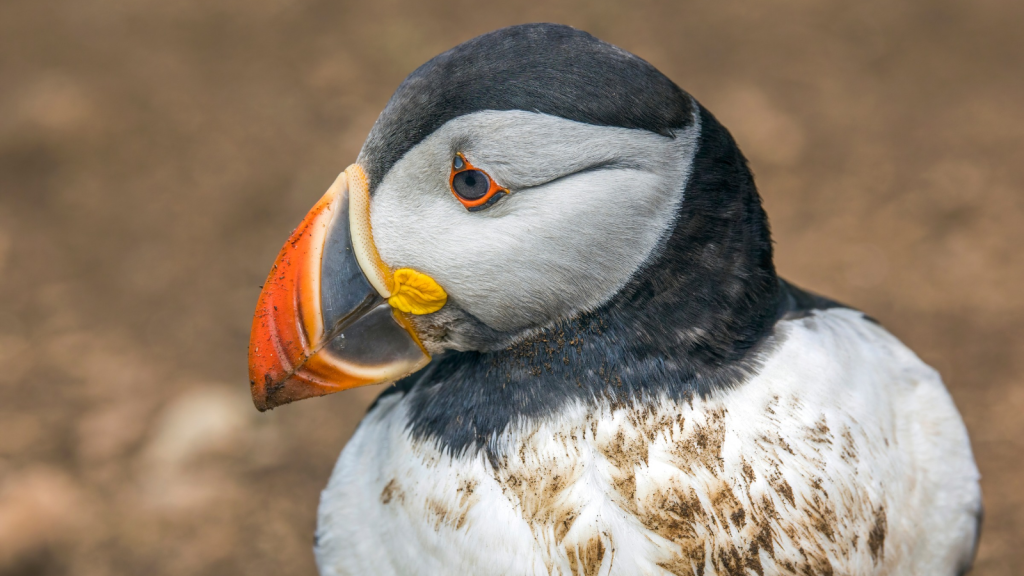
x,y
330,316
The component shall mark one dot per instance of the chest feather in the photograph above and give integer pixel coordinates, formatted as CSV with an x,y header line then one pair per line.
x,y
833,470
680,488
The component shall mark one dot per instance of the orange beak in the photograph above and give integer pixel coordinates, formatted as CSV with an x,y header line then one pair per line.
x,y
322,323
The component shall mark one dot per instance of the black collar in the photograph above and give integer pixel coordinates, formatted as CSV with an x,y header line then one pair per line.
x,y
695,319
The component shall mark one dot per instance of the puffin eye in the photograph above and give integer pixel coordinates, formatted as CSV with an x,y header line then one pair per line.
x,y
472,186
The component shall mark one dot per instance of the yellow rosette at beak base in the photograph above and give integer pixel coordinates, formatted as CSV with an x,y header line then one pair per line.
x,y
416,293
405,289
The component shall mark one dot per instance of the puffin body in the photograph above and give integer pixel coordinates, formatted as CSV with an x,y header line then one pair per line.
x,y
843,455
563,261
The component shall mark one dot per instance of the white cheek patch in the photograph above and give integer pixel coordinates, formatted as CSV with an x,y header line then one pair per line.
x,y
544,252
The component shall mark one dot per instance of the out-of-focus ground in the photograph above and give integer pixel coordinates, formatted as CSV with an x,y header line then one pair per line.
x,y
155,155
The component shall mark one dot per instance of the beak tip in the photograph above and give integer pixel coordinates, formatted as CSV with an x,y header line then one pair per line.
x,y
269,393
259,396
258,400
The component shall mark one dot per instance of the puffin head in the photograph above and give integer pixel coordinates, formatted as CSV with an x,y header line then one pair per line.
x,y
519,180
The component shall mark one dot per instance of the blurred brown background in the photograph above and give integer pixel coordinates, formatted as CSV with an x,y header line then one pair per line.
x,y
155,155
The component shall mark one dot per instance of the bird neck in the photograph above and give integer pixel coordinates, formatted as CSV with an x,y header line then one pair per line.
x,y
688,323
711,293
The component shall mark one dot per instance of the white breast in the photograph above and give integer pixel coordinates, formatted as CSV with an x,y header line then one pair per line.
x,y
844,455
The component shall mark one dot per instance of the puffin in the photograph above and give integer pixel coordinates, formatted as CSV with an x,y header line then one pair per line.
x,y
560,260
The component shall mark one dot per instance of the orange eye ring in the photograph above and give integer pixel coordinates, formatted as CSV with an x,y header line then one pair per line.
x,y
471,181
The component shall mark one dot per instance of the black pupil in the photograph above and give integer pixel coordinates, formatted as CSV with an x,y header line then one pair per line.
x,y
471,184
